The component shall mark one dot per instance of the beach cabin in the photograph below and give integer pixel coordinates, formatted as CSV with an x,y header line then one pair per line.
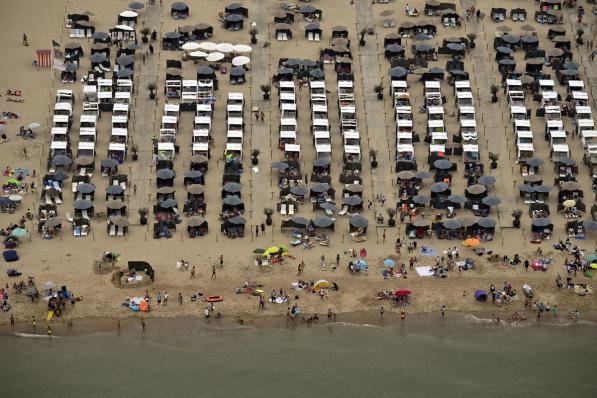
x,y
86,149
124,86
128,18
468,126
470,153
234,151
122,97
583,125
516,98
292,152
123,33
65,96
59,134
402,99
435,113
87,134
405,152
464,98
61,121
521,125
524,137
121,110
59,148
169,123
323,147
462,86
583,112
319,112
88,121
404,138
439,138
398,87
580,98
559,151
524,151
403,113
288,125
469,137
285,86
287,98
575,85
288,111
234,111
286,137
119,136
345,92
205,91
518,112
317,92
318,125
436,152
348,119
120,122
352,154
189,94
466,113
173,89
63,108
117,152
204,110
234,137
235,98
105,94
235,124
553,125
434,126
588,138
557,137
166,151
202,123
404,126
553,113
546,85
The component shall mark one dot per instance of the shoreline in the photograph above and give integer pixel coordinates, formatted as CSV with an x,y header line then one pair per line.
x,y
391,319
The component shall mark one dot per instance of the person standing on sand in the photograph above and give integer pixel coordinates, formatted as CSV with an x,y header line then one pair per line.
x,y
33,322
180,298
118,324
329,314
402,316
256,230
142,325
165,299
193,272
25,42
159,298
262,228
12,321
381,311
213,272
221,261
261,303
49,330
443,311
384,236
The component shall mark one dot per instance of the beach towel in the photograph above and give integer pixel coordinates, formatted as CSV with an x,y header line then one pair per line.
x,y
424,271
10,255
428,251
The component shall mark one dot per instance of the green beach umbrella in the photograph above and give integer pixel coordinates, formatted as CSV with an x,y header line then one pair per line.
x,y
19,232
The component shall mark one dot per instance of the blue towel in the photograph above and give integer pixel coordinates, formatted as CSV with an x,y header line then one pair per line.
x,y
427,251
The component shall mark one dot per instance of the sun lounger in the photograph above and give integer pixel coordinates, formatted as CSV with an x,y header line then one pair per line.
x,y
74,186
68,217
58,200
84,214
123,185
120,232
291,210
344,211
55,185
77,231
283,209
82,171
112,230
49,201
84,230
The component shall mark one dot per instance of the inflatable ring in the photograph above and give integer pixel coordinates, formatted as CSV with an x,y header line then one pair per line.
x,y
214,299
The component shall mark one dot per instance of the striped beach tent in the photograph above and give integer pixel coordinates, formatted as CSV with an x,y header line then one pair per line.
x,y
44,58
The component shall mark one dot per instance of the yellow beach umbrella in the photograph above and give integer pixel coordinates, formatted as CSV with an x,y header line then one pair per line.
x,y
593,266
569,203
321,284
471,242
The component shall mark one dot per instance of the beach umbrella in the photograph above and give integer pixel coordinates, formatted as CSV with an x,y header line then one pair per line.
x,y
85,188
232,187
442,164
323,222
197,54
394,48
340,42
486,222
491,201
388,262
114,190
421,223
402,293
452,224
555,52
186,29
308,9
16,198
316,74
439,187
119,221
471,242
61,160
456,199
528,79
115,204
191,46
423,47
405,175
361,265
214,57
299,190
590,225
196,221
321,162
193,174
233,18
476,189
503,28
300,220
49,285
486,180
543,188
101,36
136,5
168,204
165,174
525,188
569,203
481,296
172,35
98,58
133,46
280,166
352,200
53,222
166,190
358,221
205,70
569,72
541,222
421,200
534,162
406,25
225,47
125,60
195,189
510,39
566,161
455,47
70,67
504,50
421,37
109,163
321,187
18,232
258,251
83,204
308,63
398,72
420,175
532,178
199,159
208,46
60,176
124,73
570,65
238,220
322,284
328,206
33,126
232,200
354,188
242,48
241,60
529,39
507,62
386,13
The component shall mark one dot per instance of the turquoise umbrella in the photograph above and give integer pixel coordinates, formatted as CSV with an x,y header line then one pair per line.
x,y
388,262
19,232
361,264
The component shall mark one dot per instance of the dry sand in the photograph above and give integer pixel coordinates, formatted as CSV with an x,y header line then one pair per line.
x,y
68,260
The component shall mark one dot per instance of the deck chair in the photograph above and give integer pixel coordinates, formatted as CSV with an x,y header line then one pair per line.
x,y
386,23
82,171
291,210
49,201
68,217
120,232
123,185
329,212
74,186
392,24
58,200
344,211
56,186
112,230
84,231
317,37
84,214
283,209
310,36
77,231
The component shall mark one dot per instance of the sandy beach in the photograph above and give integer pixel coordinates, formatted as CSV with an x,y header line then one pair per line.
x,y
69,261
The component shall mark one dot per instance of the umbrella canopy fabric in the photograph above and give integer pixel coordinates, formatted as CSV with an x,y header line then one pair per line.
x,y
534,162
405,175
83,204
114,190
197,54
590,225
61,160
225,47
439,187
33,126
214,57
84,161
125,60
486,180
168,204
328,206
190,46
179,6
352,200
486,222
541,222
196,221
442,164
471,242
196,189
53,222
320,187
452,224
115,204
238,220
208,46
136,5
232,200
354,188
321,162
193,174
491,201
18,232
232,187
241,60
358,221
388,262
423,174
242,48
421,200
421,222
476,189
300,220
98,58
165,174
172,35
299,190
280,165
85,188
323,222
456,199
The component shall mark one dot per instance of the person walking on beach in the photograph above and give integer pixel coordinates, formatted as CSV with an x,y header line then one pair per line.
x,y
180,298
12,320
261,303
262,115
193,272
262,226
329,314
33,322
142,325
338,260
206,313
159,298
381,311
384,236
221,261
49,330
402,316
213,272
25,42
443,311
150,49
165,299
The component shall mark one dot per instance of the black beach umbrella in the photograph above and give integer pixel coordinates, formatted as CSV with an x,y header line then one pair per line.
x,y
323,222
299,190
352,200
567,161
543,189
329,206
232,187
321,187
405,175
115,204
507,62
166,190
486,180
486,222
232,200
452,224
421,222
525,188
541,222
456,199
234,18
165,174
237,71
85,188
534,162
308,9
423,174
280,166
504,50
196,221
421,199
476,189
455,47
529,39
570,65
358,221
109,163
83,204
125,60
179,6
442,164
196,189
510,39
124,73
317,74
394,48
193,174
133,46
98,58
321,162
491,201
398,72
238,220
300,221
136,5
168,204
423,47
71,67
114,190
101,36
172,35
439,187
62,160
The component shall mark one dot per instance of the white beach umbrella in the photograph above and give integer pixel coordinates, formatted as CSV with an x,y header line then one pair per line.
x,y
241,60
242,48
214,57
33,126
197,54
208,46
191,46
225,48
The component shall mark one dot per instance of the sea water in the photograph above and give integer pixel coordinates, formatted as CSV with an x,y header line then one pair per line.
x,y
174,359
